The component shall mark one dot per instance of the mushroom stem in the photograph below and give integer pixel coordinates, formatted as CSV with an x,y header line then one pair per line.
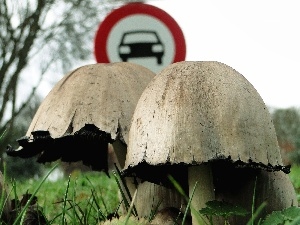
x,y
204,190
153,197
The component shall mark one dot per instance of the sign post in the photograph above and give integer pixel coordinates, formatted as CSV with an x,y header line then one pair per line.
x,y
142,34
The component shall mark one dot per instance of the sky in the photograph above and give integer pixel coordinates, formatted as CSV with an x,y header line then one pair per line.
x,y
258,38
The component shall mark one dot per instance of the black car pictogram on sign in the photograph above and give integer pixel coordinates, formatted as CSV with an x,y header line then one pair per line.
x,y
141,43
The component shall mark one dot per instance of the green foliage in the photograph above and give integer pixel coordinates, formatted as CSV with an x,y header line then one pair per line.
x,y
91,198
287,126
83,198
21,215
294,176
3,197
222,209
286,216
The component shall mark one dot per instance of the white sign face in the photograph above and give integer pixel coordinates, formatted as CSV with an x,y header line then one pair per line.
x,y
141,39
141,34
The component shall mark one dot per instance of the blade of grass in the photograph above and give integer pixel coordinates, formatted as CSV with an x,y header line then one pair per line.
x,y
126,189
189,204
178,187
60,214
100,214
126,203
85,213
4,198
3,134
130,208
20,218
199,218
154,211
89,208
253,202
101,200
115,213
181,191
255,213
74,213
65,201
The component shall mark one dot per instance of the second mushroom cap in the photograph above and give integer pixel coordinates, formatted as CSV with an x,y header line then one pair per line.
x,y
195,112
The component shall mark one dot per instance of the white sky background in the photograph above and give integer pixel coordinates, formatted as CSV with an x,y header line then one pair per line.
x,y
258,38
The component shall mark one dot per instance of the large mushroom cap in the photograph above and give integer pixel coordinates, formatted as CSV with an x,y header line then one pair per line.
x,y
94,102
101,94
196,112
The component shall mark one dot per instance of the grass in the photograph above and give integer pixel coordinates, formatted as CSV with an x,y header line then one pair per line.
x,y
83,198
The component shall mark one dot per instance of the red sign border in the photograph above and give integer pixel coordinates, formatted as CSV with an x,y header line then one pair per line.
x,y
109,22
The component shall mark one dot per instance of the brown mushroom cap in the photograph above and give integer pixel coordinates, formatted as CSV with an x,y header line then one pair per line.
x,y
95,101
196,112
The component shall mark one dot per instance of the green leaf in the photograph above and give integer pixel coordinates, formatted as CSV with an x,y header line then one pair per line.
x,y
283,216
223,209
292,212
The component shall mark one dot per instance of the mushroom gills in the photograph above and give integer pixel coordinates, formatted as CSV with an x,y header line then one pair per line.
x,y
89,145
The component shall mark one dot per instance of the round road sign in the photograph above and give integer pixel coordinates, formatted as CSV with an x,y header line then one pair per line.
x,y
140,33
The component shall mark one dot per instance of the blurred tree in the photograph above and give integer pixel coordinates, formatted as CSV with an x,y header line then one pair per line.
x,y
47,35
287,126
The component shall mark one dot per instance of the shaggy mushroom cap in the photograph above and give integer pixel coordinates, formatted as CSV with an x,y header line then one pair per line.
x,y
197,112
88,108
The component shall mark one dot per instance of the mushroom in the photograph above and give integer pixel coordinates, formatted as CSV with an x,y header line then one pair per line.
x,y
197,120
87,110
